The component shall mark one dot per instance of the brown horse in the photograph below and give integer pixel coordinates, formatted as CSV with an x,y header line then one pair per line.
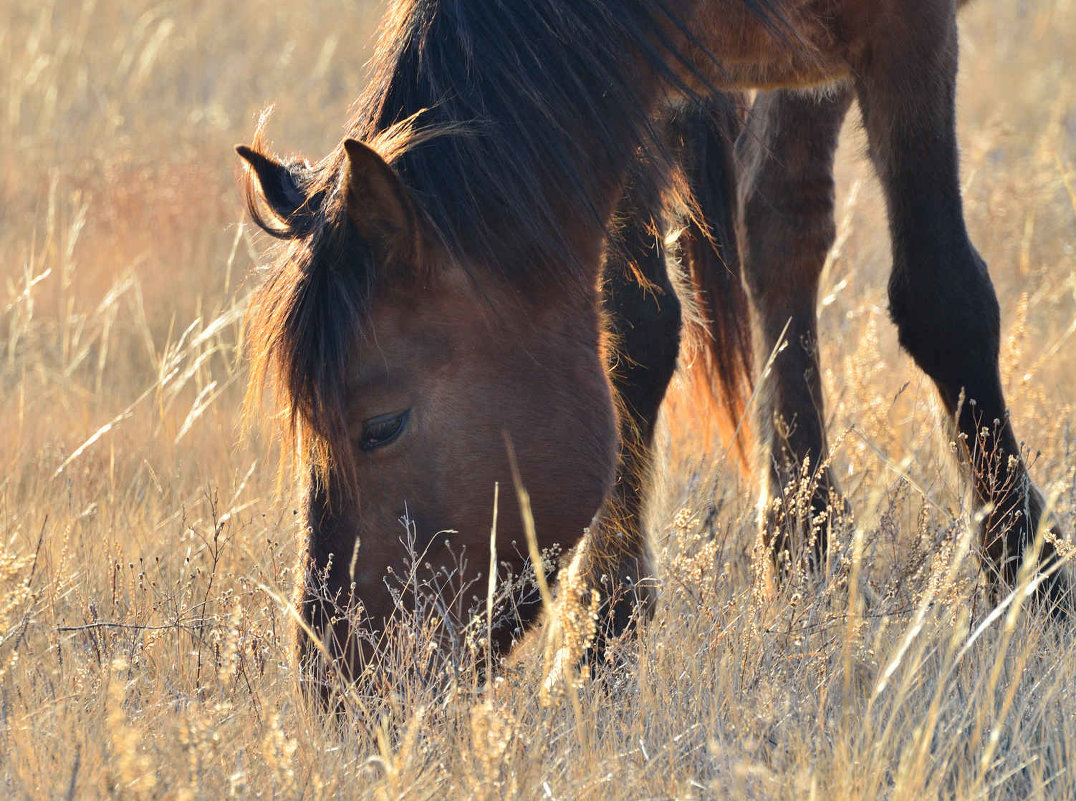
x,y
441,286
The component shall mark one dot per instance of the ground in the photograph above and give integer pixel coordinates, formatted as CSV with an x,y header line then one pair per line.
x,y
146,549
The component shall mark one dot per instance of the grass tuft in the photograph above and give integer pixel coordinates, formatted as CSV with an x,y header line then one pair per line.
x,y
145,555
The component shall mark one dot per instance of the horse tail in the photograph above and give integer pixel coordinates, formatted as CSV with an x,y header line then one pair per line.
x,y
719,329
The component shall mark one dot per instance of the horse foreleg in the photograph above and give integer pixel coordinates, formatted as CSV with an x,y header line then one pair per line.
x,y
786,197
941,296
643,315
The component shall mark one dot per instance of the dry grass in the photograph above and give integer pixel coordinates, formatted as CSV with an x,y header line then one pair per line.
x,y
143,647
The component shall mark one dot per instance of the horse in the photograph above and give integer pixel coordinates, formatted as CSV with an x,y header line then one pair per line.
x,y
473,291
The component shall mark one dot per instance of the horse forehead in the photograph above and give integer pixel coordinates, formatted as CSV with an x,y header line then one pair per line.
x,y
431,317
401,341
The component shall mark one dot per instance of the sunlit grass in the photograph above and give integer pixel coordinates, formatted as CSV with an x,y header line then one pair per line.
x,y
146,558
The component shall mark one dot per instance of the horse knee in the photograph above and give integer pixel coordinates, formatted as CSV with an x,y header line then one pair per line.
x,y
648,329
787,230
645,323
662,330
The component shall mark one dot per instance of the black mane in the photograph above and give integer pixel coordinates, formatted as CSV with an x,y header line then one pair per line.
x,y
529,91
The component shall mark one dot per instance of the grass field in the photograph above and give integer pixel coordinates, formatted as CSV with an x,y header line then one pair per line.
x,y
144,550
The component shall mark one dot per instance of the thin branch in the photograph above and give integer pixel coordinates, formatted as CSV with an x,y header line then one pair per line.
x,y
194,625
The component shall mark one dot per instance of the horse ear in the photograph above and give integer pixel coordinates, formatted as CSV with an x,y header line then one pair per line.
x,y
278,186
379,205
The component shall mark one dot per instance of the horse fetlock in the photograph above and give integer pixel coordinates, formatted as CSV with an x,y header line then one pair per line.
x,y
1023,545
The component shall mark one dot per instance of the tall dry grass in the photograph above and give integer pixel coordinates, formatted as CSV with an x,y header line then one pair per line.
x,y
143,556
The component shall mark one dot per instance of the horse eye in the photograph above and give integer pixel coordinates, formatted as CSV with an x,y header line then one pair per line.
x,y
383,429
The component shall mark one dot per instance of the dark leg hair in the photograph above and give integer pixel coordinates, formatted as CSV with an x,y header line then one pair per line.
x,y
785,163
644,320
940,293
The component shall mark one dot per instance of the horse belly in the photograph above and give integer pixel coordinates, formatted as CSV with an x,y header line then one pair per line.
x,y
742,51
